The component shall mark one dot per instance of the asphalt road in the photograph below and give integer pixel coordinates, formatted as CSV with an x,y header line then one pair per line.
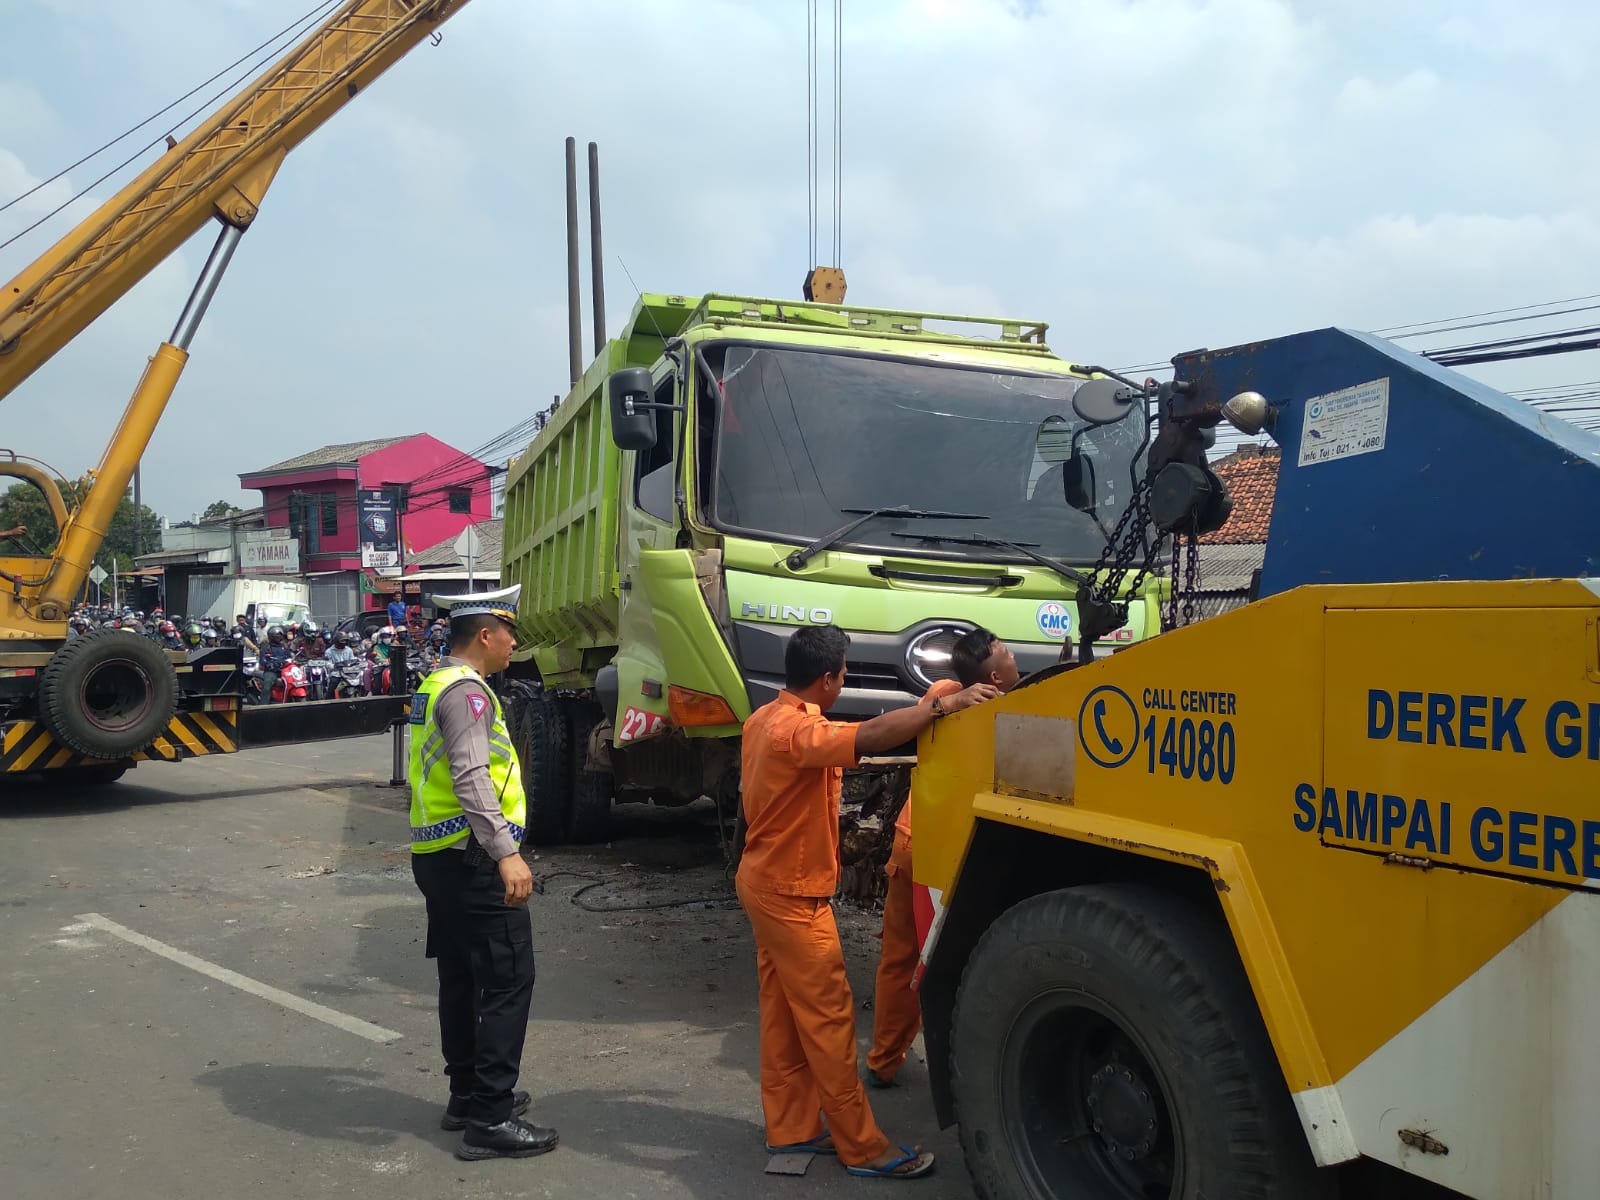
x,y
214,985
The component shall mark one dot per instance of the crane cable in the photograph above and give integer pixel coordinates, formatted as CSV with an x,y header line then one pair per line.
x,y
811,134
814,135
254,57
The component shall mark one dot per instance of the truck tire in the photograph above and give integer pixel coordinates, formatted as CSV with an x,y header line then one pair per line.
x,y
589,815
542,747
1106,1046
107,694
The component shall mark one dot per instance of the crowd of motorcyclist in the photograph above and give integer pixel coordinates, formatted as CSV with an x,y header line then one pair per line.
x,y
301,660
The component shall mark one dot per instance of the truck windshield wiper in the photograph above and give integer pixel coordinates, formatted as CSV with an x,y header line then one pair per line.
x,y
804,555
1023,548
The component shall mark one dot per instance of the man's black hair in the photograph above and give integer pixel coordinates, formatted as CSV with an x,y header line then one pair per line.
x,y
464,630
813,652
969,654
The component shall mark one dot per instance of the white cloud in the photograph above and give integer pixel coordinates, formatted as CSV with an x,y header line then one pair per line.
x,y
1146,175
1362,97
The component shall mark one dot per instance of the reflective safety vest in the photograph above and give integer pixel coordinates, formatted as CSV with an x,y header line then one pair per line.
x,y
436,817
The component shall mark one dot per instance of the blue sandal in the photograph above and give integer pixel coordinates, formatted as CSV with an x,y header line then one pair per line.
x,y
892,1168
814,1146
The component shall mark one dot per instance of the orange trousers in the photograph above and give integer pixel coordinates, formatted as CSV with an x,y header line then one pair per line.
x,y
897,1015
808,1028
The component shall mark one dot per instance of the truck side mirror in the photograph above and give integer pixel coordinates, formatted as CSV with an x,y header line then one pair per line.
x,y
633,418
1103,401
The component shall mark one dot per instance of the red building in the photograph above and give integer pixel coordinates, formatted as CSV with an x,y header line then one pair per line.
x,y
438,489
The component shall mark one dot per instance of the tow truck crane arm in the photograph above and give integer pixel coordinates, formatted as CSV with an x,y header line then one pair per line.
x,y
219,171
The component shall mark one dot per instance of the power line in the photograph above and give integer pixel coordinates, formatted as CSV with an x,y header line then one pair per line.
x,y
1514,348
1391,330
131,130
211,103
1555,312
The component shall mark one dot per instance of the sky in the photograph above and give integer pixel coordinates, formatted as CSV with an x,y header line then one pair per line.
x,y
1148,176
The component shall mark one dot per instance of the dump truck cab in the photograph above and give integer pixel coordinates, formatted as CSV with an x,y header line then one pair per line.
x,y
732,469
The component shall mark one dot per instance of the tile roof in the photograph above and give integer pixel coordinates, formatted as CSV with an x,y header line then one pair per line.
x,y
443,553
341,452
1251,474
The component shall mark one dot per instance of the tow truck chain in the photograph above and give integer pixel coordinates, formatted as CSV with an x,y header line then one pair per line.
x,y
1190,567
1127,537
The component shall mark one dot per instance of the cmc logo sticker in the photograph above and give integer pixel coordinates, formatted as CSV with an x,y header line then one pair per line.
x,y
1055,622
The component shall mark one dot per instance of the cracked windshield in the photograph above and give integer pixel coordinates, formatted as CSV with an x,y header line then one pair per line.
x,y
807,442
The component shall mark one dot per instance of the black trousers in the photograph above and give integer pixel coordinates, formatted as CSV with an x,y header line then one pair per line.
x,y
484,950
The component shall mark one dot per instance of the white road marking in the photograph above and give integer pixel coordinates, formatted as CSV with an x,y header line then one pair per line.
x,y
307,1008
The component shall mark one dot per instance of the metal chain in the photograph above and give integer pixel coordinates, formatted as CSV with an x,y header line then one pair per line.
x,y
1169,618
1191,578
1110,571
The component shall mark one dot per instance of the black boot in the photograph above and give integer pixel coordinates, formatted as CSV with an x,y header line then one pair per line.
x,y
514,1138
455,1114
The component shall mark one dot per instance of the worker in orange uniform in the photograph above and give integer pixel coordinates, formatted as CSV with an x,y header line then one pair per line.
x,y
793,759
978,658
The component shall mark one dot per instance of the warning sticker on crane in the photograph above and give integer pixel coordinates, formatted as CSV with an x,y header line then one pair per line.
x,y
1345,423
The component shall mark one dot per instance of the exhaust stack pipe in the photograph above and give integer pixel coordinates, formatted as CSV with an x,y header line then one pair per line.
x,y
574,298
597,270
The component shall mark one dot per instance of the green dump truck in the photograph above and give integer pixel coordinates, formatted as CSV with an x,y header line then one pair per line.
x,y
731,469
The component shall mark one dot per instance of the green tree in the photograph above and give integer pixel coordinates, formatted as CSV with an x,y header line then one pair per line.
x,y
23,504
219,508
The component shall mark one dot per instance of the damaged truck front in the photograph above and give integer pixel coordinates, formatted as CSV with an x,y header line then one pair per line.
x,y
729,470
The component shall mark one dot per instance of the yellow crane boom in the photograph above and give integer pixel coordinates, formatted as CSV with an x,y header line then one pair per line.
x,y
221,170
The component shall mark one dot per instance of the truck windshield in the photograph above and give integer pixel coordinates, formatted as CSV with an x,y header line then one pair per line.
x,y
803,438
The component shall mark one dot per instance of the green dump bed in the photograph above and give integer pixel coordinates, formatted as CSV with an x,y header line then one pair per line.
x,y
562,495
561,526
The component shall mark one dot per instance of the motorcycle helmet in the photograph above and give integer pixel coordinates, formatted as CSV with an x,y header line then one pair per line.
x,y
209,636
276,635
386,634
341,638
191,634
168,627
308,629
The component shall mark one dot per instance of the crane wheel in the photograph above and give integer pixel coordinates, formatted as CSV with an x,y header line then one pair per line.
x,y
107,694
1106,1045
542,738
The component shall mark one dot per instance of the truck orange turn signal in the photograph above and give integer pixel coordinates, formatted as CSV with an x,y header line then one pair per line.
x,y
689,709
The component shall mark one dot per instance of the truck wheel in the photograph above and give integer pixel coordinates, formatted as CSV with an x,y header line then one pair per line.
x,y
546,769
107,694
1106,1046
589,817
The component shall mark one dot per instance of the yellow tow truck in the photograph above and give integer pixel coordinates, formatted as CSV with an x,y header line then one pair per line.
x,y
91,706
1298,901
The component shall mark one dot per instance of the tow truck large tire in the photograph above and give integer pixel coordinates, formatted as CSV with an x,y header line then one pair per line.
x,y
1106,1046
589,815
542,748
107,694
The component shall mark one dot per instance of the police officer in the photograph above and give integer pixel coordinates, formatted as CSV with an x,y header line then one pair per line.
x,y
467,818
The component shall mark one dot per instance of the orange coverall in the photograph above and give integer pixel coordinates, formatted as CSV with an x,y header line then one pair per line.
x,y
792,759
896,1012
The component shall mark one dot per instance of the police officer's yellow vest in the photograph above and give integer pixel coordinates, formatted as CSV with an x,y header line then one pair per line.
x,y
436,817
